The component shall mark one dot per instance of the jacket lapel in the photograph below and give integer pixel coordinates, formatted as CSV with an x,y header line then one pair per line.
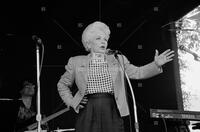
x,y
85,63
112,66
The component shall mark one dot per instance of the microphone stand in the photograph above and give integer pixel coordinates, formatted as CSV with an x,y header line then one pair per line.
x,y
196,57
38,116
133,97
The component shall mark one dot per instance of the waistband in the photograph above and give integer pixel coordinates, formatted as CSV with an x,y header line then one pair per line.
x,y
97,95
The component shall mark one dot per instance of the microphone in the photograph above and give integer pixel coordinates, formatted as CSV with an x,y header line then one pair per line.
x,y
113,52
37,39
110,52
196,57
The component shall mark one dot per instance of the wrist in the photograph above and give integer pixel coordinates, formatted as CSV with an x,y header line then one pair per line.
x,y
156,63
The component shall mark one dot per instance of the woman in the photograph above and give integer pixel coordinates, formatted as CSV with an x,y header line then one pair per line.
x,y
100,100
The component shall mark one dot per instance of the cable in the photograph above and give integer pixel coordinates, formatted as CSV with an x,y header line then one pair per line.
x,y
164,123
134,103
130,118
42,58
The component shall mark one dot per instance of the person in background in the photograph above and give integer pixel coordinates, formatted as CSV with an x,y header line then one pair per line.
x,y
100,101
27,108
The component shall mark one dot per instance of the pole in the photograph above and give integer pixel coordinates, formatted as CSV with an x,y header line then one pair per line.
x,y
134,105
38,116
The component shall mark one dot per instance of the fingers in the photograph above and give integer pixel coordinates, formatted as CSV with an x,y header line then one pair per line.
x,y
168,52
156,54
170,56
81,106
168,60
83,102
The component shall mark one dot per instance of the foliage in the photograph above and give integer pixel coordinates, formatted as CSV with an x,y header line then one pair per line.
x,y
188,35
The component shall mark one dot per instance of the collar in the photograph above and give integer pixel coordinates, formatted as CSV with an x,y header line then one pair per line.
x,y
97,56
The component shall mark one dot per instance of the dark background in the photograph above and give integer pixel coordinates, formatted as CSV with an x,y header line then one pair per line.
x,y
138,27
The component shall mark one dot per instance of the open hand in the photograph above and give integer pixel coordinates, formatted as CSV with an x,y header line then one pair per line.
x,y
164,57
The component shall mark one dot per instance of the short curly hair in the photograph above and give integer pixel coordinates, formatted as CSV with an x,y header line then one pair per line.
x,y
26,84
92,30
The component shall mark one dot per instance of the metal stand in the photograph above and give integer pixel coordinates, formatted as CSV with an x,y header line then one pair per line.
x,y
38,116
134,105
133,97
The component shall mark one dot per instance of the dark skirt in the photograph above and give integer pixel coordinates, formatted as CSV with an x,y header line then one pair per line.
x,y
100,115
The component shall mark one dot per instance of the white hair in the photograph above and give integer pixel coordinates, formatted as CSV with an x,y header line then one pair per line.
x,y
93,30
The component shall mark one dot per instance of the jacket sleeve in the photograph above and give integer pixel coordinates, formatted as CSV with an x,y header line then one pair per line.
x,y
143,72
65,83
